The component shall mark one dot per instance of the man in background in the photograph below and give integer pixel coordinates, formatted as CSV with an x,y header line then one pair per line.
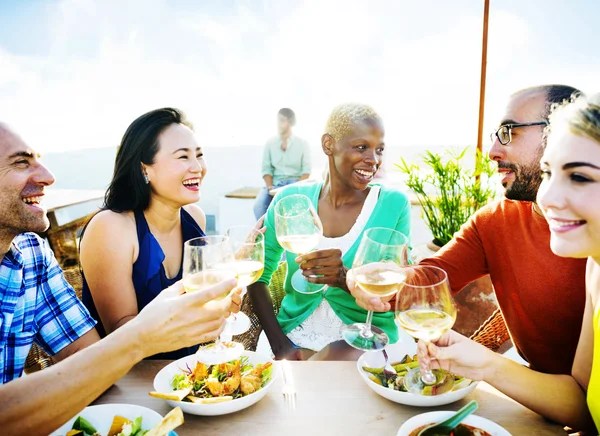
x,y
286,159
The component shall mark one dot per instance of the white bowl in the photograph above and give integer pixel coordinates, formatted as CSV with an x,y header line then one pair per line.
x,y
101,417
395,353
431,417
162,383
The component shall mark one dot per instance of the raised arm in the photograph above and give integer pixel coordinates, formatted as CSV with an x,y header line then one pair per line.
x,y
108,251
561,398
463,258
41,402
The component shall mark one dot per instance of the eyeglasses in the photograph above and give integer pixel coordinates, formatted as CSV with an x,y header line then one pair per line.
x,y
504,134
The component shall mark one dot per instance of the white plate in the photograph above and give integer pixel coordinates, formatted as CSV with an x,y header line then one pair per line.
x,y
431,417
101,417
395,353
162,383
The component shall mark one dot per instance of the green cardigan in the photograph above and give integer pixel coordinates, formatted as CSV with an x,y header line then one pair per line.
x,y
391,211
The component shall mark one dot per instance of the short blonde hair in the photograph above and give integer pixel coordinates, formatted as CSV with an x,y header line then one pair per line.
x,y
346,116
581,117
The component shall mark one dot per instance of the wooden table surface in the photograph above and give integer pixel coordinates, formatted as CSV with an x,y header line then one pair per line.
x,y
331,399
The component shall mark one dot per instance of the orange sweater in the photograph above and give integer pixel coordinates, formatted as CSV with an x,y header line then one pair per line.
x,y
541,295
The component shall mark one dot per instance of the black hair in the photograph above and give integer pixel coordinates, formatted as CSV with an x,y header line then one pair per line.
x,y
555,95
289,114
128,190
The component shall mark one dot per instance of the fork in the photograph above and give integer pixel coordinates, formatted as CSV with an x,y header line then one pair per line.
x,y
288,389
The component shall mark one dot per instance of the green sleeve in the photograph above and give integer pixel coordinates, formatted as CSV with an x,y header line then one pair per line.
x,y
403,224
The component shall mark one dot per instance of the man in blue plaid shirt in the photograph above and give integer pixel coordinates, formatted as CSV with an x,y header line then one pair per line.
x,y
36,302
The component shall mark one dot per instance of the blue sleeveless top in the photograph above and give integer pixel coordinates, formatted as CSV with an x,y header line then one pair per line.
x,y
149,276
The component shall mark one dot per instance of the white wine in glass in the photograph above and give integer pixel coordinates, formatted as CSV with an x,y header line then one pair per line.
x,y
248,271
425,324
205,279
425,310
300,244
208,260
379,278
378,270
248,245
298,229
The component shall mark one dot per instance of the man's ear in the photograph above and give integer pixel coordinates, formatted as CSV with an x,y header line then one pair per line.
x,y
327,143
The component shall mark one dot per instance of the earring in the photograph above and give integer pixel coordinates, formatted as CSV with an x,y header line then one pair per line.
x,y
146,178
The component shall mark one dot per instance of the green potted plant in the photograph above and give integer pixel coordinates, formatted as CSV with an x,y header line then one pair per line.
x,y
450,188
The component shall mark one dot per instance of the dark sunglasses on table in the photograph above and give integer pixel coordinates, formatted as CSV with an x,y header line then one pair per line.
x,y
504,134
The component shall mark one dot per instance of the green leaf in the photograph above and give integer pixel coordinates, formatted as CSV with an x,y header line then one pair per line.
x,y
84,425
137,426
450,187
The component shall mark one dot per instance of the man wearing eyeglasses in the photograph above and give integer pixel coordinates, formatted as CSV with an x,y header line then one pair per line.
x,y
541,295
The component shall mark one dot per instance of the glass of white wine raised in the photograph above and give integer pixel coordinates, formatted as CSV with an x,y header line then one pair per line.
x,y
425,310
248,247
378,269
208,260
298,229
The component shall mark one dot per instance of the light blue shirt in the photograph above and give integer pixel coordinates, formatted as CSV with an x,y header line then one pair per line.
x,y
288,164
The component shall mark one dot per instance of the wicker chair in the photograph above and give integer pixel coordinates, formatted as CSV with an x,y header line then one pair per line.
x,y
493,332
63,240
250,338
37,358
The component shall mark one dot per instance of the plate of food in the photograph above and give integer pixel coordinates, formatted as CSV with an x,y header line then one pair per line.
x,y
121,420
472,425
370,367
209,390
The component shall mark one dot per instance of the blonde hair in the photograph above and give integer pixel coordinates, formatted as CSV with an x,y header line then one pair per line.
x,y
581,117
346,116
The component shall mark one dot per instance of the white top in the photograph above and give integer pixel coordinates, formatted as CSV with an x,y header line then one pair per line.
x,y
323,326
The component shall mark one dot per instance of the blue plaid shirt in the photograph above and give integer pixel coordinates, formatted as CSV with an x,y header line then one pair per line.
x,y
36,304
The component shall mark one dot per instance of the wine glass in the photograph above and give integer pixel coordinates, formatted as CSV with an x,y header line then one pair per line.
x,y
378,270
248,245
298,229
208,260
425,309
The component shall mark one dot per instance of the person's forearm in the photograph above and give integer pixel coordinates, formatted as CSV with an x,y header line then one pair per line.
x,y
557,397
26,403
263,307
268,178
304,177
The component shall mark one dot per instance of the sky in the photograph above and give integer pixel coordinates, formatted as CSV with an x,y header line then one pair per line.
x,y
75,73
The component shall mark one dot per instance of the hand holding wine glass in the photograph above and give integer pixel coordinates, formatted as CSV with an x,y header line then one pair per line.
x,y
425,310
378,270
298,229
458,354
248,248
207,261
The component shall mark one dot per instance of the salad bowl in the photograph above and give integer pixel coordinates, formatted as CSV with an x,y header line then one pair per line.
x,y
396,352
164,378
101,417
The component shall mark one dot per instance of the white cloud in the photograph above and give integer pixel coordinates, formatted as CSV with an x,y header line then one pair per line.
x,y
111,61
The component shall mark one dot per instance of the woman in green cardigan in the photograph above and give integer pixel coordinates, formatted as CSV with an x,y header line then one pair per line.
x,y
347,203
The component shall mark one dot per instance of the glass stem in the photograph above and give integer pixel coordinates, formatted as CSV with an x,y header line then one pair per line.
x,y
367,333
428,377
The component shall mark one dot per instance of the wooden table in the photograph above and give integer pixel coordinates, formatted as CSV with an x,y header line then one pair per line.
x,y
331,400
